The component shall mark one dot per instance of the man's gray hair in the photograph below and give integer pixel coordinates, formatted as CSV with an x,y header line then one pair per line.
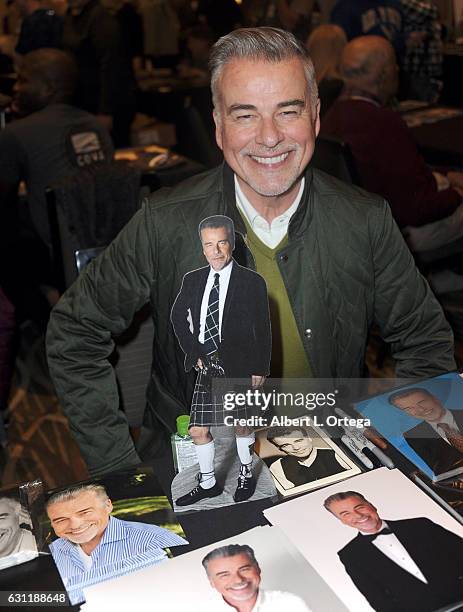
x,y
217,221
264,44
74,491
341,496
230,551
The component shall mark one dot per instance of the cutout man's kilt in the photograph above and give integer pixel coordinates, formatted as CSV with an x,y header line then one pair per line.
x,y
207,403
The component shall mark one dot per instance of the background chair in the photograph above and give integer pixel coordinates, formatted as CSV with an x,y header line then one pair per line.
x,y
334,157
85,214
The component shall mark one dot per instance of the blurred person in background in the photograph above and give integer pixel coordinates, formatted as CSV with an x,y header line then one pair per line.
x,y
221,17
372,18
422,63
292,15
41,27
384,150
325,45
106,85
50,142
198,41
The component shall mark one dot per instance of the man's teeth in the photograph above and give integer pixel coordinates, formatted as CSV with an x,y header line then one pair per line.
x,y
270,160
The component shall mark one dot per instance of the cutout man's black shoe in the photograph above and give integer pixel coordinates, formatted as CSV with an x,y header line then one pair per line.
x,y
245,489
197,494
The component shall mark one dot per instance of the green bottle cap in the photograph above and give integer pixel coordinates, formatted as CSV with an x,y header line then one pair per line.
x,y
183,422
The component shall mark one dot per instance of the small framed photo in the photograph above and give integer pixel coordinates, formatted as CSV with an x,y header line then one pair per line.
x,y
302,458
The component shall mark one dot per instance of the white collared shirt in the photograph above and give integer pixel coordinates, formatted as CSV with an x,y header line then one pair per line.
x,y
271,234
277,470
224,280
267,601
390,545
86,559
448,420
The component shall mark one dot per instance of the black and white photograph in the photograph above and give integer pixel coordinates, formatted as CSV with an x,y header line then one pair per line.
x,y
379,541
302,458
19,537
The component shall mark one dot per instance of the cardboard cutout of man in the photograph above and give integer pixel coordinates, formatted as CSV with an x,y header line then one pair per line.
x,y
221,320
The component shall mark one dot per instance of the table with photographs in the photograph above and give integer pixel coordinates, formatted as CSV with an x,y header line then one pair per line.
x,y
308,557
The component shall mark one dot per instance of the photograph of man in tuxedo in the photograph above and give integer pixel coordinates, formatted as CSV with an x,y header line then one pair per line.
x,y
303,462
400,565
438,439
222,323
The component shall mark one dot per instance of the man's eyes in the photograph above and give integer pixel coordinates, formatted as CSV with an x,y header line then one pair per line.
x,y
289,113
285,114
246,117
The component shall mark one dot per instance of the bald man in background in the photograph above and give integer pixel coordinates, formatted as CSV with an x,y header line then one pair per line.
x,y
385,153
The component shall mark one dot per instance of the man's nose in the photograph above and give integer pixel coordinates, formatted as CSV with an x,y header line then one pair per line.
x,y
269,133
74,522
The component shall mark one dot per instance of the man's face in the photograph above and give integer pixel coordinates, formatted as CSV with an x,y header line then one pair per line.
x,y
421,406
264,124
357,513
9,528
295,445
81,519
235,577
216,247
30,93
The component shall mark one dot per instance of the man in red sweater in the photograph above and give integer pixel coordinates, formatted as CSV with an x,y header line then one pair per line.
x,y
385,153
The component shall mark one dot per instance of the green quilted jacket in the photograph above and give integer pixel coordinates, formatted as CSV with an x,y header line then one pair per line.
x,y
345,267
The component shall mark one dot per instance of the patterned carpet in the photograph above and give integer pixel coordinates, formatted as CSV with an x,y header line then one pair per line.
x,y
39,441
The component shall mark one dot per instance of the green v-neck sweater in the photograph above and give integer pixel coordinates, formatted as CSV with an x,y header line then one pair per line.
x,y
289,359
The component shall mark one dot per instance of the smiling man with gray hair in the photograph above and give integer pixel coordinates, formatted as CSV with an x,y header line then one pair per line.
x,y
93,546
333,259
234,572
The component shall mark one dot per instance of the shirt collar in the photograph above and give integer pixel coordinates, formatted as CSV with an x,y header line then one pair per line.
x,y
251,214
447,419
383,526
223,273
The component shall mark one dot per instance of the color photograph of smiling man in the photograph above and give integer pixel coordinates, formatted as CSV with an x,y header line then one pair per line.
x,y
398,565
234,573
93,546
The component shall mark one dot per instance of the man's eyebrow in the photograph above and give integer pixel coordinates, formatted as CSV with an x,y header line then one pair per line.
x,y
238,107
284,104
295,102
60,518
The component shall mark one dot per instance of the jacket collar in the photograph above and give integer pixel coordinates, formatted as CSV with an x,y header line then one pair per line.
x,y
300,220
